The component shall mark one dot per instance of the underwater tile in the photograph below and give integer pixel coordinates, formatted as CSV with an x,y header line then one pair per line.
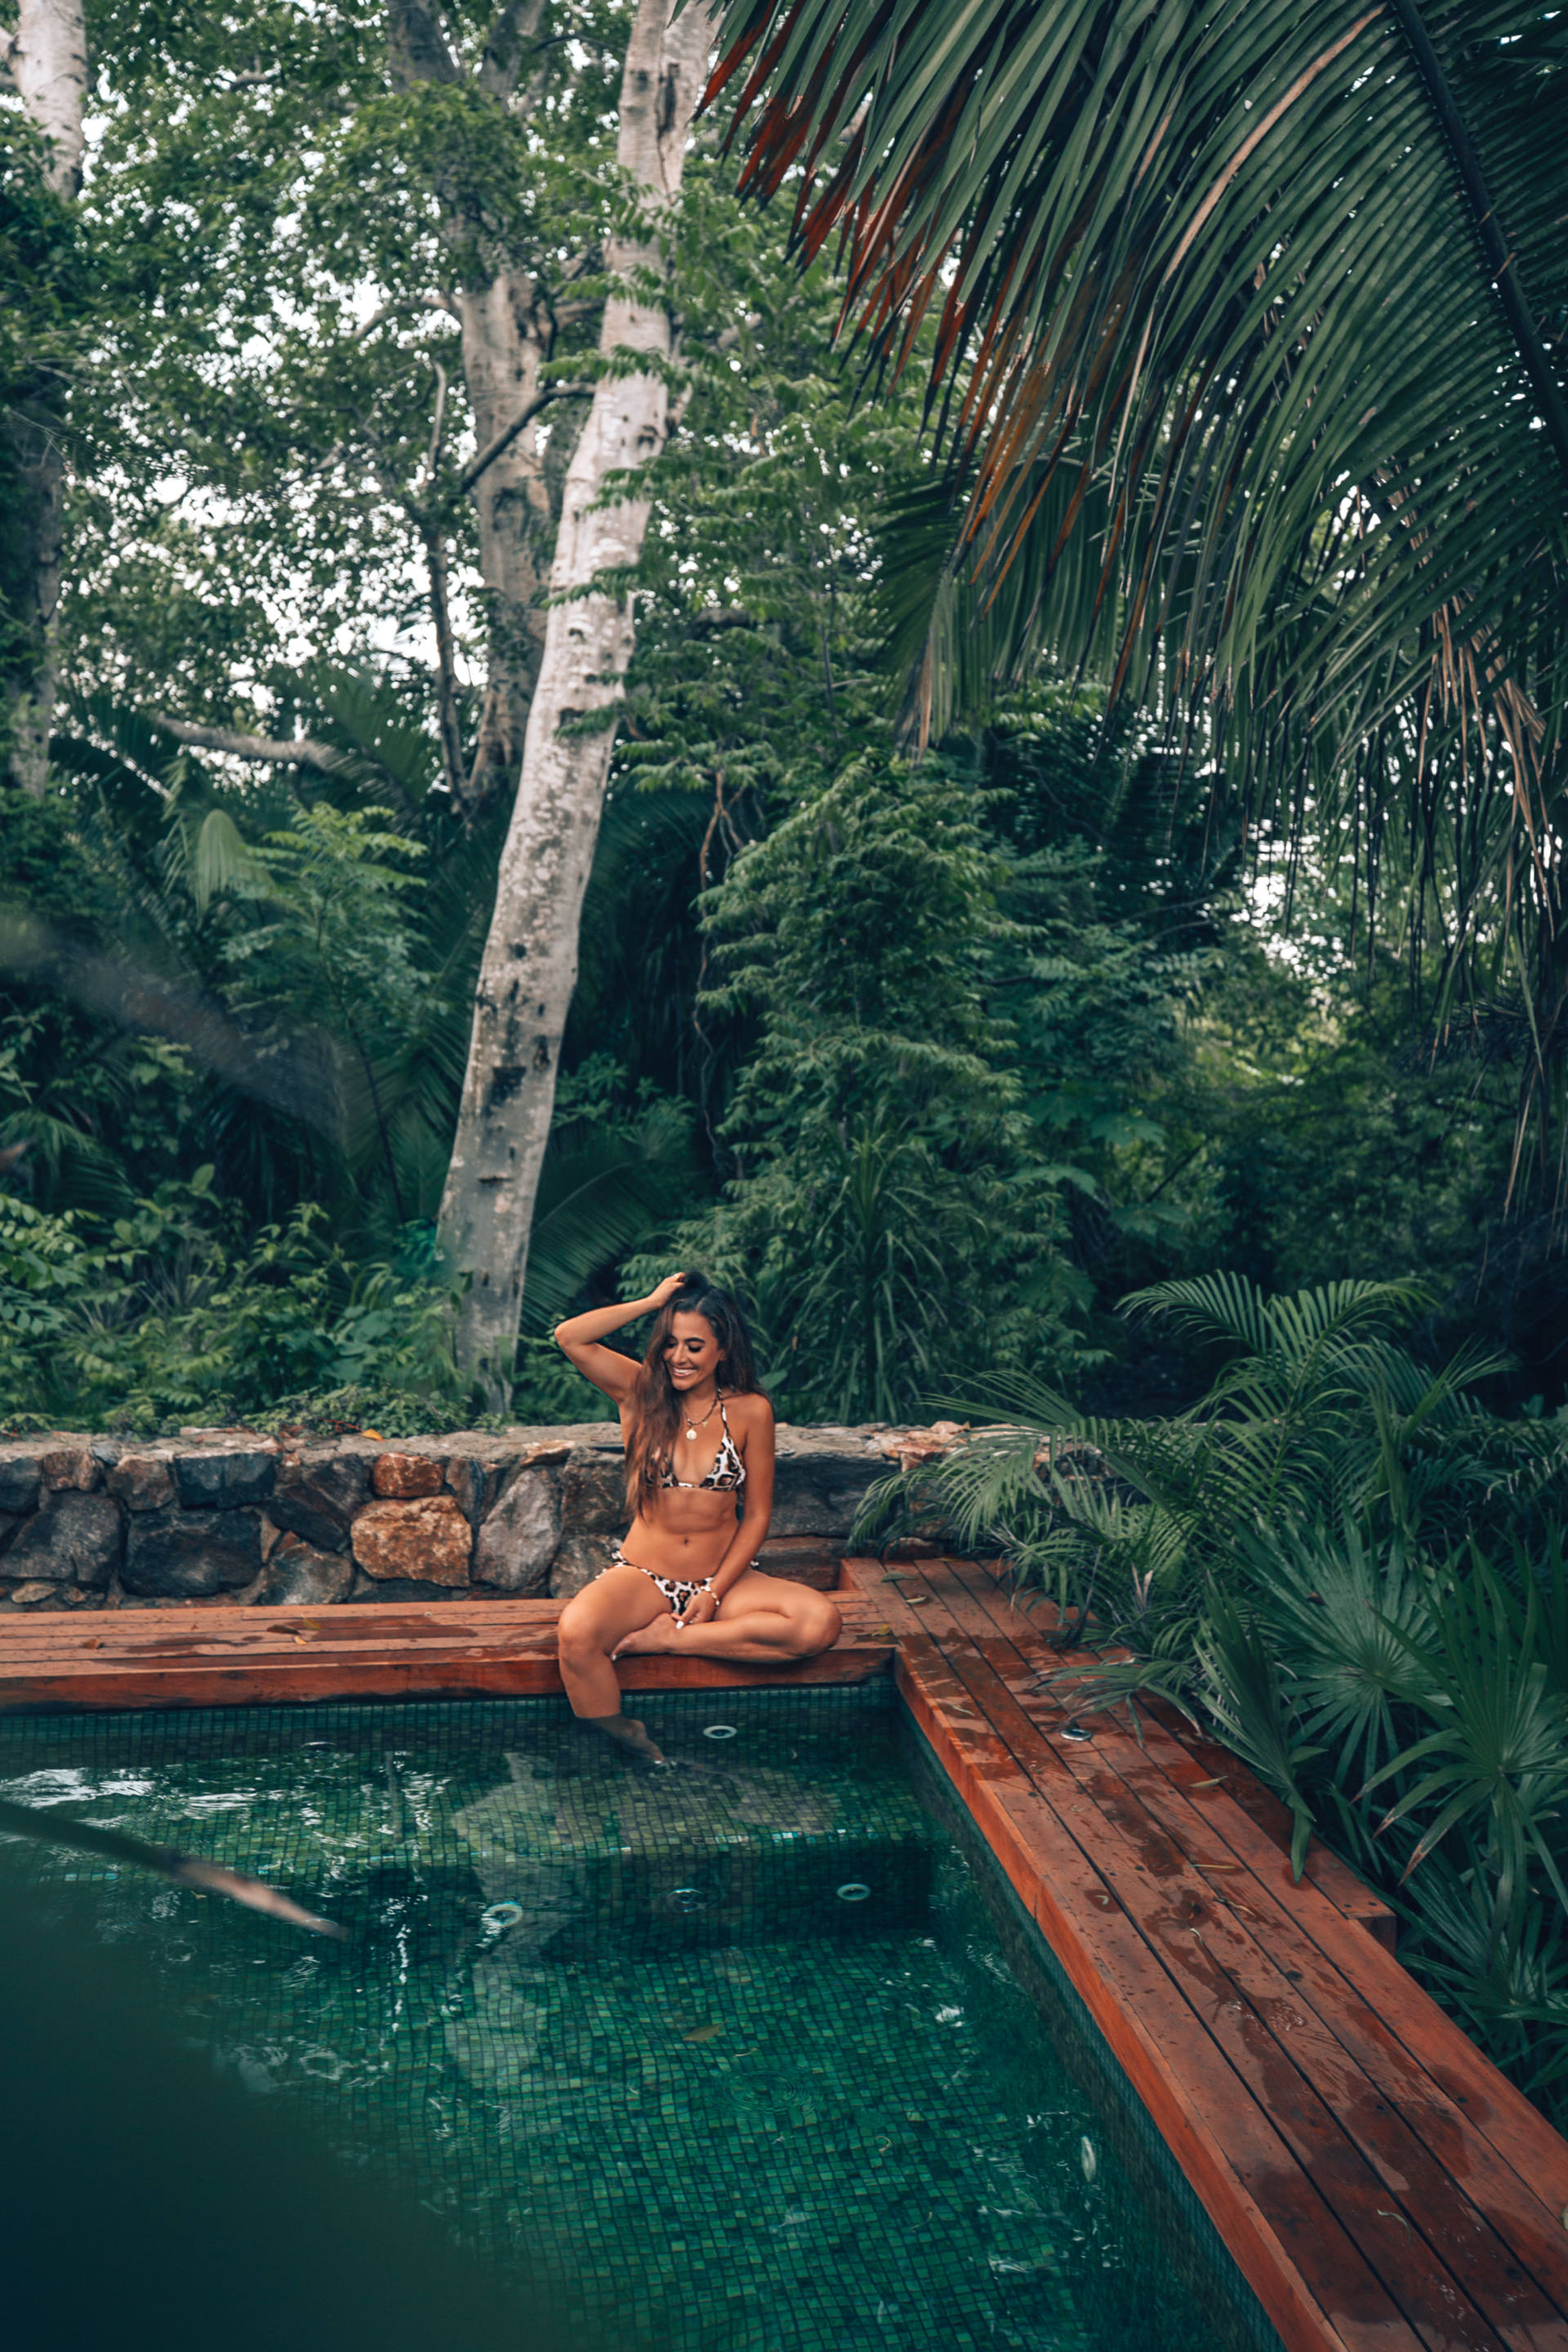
x,y
725,2109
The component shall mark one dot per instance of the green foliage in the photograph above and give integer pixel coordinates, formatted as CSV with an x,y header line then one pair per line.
x,y
319,975
170,1315
758,672
1157,250
1354,1573
1175,1082
1331,1129
309,973
884,1205
332,941
43,1266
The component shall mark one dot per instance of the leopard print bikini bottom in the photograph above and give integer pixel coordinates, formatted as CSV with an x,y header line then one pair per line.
x,y
678,1594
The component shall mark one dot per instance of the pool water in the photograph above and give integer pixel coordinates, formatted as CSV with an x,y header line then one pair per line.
x,y
734,2053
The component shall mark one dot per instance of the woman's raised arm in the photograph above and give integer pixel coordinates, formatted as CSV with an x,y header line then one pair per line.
x,y
579,1336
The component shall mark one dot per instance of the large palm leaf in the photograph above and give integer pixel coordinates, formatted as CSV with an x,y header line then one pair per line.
x,y
1245,328
604,1193
1242,268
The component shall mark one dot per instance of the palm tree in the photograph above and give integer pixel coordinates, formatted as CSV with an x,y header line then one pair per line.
x,y
1246,328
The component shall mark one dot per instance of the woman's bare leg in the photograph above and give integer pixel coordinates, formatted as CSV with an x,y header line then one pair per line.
x,y
592,1625
764,1621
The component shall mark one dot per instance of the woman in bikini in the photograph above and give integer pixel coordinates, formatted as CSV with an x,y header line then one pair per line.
x,y
699,1484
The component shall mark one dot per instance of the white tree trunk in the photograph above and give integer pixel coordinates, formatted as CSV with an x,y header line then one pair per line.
x,y
502,352
506,331
46,59
530,965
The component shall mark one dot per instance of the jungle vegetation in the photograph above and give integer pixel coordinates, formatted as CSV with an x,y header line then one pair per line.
x,y
1083,825
1246,399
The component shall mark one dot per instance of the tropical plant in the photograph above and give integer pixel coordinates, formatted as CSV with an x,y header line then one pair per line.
x,y
886,1202
171,1312
1346,1567
308,946
1248,367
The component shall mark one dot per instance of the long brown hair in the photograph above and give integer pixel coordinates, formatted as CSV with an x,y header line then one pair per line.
x,y
655,1412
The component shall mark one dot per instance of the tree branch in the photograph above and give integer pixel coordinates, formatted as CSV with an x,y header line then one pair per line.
x,y
445,661
418,51
437,426
302,753
509,433
509,36
400,310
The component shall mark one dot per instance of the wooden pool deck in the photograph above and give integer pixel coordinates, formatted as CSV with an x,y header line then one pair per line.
x,y
1379,2183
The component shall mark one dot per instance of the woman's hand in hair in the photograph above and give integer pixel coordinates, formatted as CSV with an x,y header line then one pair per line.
x,y
580,1335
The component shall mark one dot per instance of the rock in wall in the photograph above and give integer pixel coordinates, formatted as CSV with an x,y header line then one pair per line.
x,y
226,1515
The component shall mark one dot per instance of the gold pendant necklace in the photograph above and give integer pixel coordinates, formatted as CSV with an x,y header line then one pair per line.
x,y
692,1427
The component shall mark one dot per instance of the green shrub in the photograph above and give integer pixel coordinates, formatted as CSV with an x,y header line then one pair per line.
x,y
170,1315
889,1208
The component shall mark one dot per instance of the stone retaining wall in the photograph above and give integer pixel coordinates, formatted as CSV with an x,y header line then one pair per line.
x,y
225,1514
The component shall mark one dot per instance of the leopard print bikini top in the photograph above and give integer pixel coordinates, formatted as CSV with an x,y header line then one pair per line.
x,y
726,1474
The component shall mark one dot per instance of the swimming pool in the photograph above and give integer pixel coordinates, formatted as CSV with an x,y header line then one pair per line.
x,y
747,2056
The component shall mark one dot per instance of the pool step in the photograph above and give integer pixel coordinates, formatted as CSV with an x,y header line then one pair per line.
x,y
576,1863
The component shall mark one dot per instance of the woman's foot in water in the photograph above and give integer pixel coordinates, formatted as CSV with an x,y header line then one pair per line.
x,y
627,1733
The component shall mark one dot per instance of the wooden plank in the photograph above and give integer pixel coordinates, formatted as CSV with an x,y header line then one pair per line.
x,y
233,1656
136,1629
1390,2121
316,1682
1520,2163
1288,2242
1405,2031
230,1628
1323,1866
1241,1997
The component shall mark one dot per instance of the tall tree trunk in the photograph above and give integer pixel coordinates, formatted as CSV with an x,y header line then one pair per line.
x,y
530,965
46,61
506,331
503,346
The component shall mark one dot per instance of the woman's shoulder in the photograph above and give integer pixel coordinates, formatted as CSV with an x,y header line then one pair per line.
x,y
751,1409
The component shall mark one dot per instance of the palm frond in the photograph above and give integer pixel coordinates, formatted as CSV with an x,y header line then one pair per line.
x,y
362,713
1242,1689
1499,1756
1511,1989
1181,254
1241,341
1351,1621
603,1193
1229,1307
74,1169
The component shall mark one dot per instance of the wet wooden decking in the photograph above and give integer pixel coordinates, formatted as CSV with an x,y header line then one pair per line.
x,y
205,1656
1377,2180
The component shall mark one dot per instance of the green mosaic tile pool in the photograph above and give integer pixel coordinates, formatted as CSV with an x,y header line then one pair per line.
x,y
733,2052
